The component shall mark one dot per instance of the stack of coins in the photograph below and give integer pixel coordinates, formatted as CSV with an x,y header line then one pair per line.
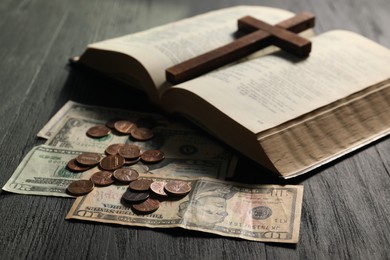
x,y
83,162
144,195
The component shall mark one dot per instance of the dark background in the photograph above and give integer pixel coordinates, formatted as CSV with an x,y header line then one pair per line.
x,y
346,204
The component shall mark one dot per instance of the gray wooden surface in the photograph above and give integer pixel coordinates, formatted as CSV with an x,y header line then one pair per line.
x,y
346,205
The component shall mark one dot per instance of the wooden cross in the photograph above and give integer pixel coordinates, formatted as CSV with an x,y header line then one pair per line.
x,y
260,35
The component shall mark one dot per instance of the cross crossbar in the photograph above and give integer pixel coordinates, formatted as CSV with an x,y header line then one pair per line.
x,y
260,35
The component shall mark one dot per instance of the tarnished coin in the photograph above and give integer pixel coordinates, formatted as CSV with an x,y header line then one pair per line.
x,y
152,156
147,206
126,174
140,185
113,149
124,126
158,188
102,178
112,162
80,187
74,166
98,131
141,133
132,196
89,159
178,188
129,151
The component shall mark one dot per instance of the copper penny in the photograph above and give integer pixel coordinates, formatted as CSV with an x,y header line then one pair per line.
x,y
80,187
89,159
131,196
132,161
124,126
158,188
126,174
113,149
140,185
179,188
74,166
152,156
147,206
111,123
98,131
141,133
102,178
112,162
129,151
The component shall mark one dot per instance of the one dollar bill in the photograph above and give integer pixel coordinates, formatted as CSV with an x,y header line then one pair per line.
x,y
268,213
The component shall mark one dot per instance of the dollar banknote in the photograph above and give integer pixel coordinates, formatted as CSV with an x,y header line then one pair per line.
x,y
254,212
44,171
180,143
187,152
75,109
175,142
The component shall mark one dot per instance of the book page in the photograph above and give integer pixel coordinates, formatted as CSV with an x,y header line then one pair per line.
x,y
265,92
162,47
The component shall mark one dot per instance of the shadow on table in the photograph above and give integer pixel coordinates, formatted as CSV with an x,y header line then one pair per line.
x,y
183,233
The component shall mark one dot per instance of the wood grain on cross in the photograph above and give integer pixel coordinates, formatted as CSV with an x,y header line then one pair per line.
x,y
260,35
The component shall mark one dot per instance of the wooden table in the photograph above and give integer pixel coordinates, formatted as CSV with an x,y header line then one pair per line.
x,y
346,205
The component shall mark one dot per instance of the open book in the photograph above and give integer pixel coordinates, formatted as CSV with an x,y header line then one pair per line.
x,y
288,114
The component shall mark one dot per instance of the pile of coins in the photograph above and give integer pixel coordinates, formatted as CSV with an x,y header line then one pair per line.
x,y
144,195
140,192
117,156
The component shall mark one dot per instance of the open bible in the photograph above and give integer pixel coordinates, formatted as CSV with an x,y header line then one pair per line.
x,y
289,114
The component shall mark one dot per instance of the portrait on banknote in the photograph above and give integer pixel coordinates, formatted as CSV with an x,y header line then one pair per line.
x,y
208,206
